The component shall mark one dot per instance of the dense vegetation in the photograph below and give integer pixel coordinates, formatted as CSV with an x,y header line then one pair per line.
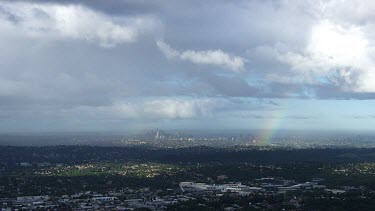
x,y
85,154
58,170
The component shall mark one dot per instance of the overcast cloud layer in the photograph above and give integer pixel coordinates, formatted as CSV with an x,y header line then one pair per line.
x,y
134,64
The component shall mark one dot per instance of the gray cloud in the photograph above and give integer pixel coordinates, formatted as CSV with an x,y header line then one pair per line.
x,y
368,116
81,58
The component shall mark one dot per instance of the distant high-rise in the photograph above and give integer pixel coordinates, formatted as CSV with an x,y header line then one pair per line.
x,y
157,136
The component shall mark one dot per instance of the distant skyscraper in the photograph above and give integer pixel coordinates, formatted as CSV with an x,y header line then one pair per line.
x,y
157,136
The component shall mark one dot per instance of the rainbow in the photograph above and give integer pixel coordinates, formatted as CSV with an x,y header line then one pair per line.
x,y
272,125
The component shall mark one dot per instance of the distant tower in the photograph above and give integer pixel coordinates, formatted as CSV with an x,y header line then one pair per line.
x,y
157,136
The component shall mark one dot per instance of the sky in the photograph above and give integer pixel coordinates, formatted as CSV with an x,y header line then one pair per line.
x,y
123,65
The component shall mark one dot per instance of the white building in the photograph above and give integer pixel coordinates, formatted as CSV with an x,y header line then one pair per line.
x,y
104,198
